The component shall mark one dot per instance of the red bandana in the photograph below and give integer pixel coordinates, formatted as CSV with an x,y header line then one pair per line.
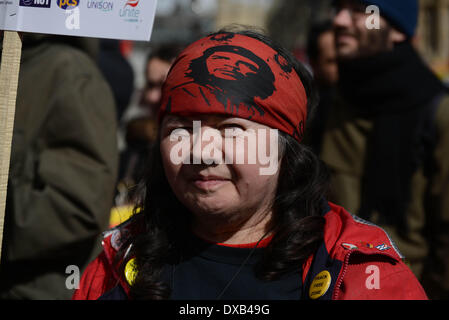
x,y
239,76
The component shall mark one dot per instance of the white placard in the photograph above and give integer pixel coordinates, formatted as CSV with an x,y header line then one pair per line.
x,y
113,19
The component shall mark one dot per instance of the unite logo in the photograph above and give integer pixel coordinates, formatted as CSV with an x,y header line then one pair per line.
x,y
35,3
130,12
68,4
132,3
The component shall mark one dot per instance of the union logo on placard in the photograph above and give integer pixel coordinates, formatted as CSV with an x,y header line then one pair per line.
x,y
68,4
105,6
132,3
130,12
35,3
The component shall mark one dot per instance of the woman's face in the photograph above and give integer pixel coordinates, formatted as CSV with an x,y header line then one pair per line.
x,y
230,66
214,166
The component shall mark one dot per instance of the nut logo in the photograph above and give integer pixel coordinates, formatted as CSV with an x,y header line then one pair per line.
x,y
35,3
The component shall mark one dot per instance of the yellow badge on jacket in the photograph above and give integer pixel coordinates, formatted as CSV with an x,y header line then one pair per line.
x,y
320,285
131,271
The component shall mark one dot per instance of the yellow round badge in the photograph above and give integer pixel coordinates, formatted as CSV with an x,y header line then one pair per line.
x,y
320,285
131,271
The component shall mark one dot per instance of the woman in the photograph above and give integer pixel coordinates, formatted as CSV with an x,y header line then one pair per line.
x,y
222,220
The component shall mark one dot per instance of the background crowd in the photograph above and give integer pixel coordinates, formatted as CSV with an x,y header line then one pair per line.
x,y
86,120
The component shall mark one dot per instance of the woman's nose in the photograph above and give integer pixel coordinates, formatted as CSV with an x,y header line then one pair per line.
x,y
343,18
206,146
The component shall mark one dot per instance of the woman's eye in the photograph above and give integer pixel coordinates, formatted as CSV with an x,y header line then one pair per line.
x,y
179,127
232,130
179,132
232,126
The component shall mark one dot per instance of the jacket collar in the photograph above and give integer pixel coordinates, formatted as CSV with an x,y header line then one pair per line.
x,y
345,235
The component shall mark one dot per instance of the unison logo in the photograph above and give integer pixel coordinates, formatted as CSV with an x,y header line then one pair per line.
x,y
35,3
105,6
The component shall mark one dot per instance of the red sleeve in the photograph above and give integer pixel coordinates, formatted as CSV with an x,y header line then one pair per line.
x,y
96,280
380,280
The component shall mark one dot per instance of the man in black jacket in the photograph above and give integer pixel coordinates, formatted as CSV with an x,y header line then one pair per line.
x,y
386,139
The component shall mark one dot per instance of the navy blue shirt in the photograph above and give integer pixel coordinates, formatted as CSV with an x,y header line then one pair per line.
x,y
205,269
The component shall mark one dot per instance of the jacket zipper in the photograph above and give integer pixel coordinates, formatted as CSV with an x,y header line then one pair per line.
x,y
342,275
345,267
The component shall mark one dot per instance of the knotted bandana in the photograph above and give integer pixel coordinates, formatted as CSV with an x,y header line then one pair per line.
x,y
236,75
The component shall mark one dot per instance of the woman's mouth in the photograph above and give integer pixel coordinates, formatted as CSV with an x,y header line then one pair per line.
x,y
209,183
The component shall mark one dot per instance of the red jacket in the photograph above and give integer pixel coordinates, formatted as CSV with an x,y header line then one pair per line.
x,y
356,261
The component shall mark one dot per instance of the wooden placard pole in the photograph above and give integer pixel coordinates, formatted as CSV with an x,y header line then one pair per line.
x,y
9,78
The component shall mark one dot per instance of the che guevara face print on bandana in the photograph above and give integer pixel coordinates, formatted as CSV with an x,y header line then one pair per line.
x,y
239,76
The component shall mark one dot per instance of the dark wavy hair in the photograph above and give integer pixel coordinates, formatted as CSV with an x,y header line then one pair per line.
x,y
297,222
